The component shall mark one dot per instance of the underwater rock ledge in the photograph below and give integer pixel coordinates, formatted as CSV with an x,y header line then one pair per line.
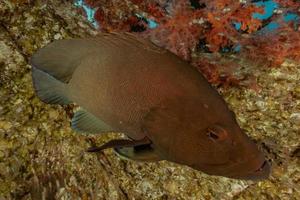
x,y
40,156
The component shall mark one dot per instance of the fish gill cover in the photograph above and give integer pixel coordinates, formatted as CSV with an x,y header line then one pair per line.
x,y
261,32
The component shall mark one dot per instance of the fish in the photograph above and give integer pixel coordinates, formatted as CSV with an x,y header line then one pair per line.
x,y
163,105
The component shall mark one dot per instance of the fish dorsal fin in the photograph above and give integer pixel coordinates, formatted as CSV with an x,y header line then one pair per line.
x,y
85,122
142,153
61,57
130,40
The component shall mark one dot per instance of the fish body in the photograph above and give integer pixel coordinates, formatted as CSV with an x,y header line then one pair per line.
x,y
129,85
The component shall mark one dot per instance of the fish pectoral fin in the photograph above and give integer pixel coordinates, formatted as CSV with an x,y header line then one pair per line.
x,y
85,122
118,143
142,153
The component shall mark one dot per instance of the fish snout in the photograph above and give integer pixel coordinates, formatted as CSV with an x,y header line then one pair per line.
x,y
250,162
261,173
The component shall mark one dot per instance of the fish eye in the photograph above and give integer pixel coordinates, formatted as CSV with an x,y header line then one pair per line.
x,y
216,133
212,135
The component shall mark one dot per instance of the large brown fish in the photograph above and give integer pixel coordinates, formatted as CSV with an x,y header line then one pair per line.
x,y
165,106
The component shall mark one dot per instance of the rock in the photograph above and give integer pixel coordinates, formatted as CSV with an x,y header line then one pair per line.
x,y
5,125
295,118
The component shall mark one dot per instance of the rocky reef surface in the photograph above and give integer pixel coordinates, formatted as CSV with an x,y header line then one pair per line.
x,y
42,158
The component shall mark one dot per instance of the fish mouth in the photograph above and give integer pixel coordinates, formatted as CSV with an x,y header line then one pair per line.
x,y
258,174
262,166
261,173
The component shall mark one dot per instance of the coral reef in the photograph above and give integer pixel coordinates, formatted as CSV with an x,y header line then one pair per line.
x,y
186,27
42,158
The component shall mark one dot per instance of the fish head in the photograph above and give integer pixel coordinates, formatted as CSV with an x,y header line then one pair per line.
x,y
207,138
231,153
222,148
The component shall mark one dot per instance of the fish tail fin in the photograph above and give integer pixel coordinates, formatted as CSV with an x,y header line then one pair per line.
x,y
53,67
60,58
49,89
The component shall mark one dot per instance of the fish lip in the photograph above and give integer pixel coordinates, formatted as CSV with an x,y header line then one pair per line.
x,y
262,166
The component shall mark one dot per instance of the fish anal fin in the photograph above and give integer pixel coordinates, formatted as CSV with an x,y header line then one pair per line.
x,y
85,122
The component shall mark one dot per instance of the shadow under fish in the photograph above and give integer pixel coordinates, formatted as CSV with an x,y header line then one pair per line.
x,y
164,105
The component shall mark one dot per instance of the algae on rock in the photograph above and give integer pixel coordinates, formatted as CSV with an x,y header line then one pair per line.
x,y
40,156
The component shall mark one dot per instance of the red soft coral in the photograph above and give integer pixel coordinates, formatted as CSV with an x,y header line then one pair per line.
x,y
181,32
222,16
182,27
272,48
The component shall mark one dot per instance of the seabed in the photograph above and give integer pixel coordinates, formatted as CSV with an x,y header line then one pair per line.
x,y
42,158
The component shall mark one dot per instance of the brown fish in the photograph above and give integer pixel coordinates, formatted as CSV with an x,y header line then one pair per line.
x,y
165,106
